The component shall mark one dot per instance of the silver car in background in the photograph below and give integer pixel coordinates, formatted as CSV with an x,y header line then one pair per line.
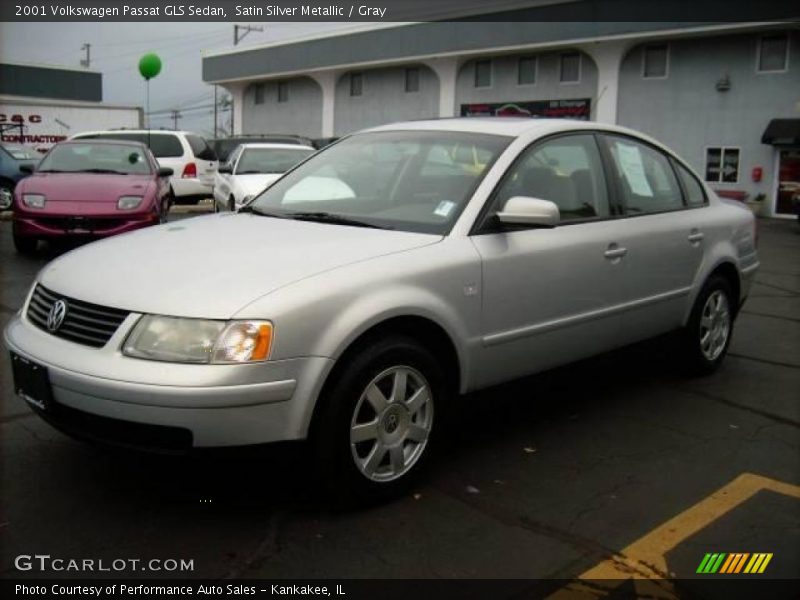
x,y
377,282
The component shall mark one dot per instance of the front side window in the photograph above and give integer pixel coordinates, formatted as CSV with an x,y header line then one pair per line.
x,y
566,170
722,165
655,61
406,180
483,73
773,53
570,67
86,157
644,176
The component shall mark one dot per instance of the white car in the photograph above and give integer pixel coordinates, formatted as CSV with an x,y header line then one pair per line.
x,y
187,154
251,168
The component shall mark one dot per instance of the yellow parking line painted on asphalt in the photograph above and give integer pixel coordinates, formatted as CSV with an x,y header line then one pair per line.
x,y
646,557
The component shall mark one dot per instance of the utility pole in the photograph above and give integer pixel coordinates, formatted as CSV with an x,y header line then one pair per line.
x,y
246,29
86,62
175,116
215,111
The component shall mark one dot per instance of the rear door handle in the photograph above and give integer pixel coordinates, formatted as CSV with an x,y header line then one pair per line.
x,y
614,251
696,236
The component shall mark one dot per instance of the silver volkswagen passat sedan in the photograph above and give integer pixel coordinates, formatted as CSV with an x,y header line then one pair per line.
x,y
357,298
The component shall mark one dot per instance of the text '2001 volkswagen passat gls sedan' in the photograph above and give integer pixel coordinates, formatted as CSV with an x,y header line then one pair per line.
x,y
355,299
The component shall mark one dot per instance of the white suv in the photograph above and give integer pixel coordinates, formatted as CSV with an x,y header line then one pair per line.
x,y
187,154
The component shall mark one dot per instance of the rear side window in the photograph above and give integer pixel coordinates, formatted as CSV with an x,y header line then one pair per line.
x,y
163,145
695,196
645,178
200,148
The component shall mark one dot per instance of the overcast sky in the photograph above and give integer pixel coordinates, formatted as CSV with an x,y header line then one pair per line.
x,y
117,47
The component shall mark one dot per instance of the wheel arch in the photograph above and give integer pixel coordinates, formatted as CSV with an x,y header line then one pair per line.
x,y
729,271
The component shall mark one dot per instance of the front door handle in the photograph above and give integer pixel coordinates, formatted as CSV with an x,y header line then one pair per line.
x,y
696,236
614,252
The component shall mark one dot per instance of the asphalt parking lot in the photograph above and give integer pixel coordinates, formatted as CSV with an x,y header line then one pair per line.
x,y
619,466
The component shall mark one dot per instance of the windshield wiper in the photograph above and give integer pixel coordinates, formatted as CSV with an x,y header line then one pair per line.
x,y
110,171
250,172
326,217
53,171
251,209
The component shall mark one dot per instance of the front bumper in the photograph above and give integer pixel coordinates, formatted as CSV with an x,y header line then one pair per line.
x,y
55,226
218,405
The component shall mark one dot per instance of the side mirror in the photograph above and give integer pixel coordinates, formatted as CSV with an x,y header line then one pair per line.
x,y
165,172
27,169
522,210
227,168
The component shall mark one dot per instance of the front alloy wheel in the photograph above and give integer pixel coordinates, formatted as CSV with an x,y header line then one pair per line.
x,y
391,423
373,429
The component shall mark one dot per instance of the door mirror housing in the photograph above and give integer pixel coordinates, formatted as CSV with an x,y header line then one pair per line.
x,y
165,172
534,212
227,168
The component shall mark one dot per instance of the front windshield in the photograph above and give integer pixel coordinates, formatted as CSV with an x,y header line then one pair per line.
x,y
84,157
406,180
270,160
22,153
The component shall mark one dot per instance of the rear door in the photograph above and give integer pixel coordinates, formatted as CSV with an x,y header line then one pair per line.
x,y
663,236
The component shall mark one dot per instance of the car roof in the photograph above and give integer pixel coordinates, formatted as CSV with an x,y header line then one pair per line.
x,y
508,126
276,145
105,142
145,131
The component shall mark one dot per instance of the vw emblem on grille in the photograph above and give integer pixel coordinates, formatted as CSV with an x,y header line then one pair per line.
x,y
55,317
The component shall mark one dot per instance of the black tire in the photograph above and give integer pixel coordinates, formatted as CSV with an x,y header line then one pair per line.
x,y
334,454
232,204
702,357
24,244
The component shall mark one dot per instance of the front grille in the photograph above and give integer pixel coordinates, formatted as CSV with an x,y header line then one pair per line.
x,y
84,323
81,224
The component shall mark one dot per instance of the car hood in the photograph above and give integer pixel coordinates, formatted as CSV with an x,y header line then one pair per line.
x,y
253,184
212,266
86,187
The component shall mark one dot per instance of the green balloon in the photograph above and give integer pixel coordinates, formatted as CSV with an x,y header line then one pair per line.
x,y
150,65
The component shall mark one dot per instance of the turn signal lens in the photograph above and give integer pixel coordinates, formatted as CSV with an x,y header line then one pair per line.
x,y
244,341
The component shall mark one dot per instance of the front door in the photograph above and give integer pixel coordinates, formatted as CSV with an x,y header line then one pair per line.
x,y
549,295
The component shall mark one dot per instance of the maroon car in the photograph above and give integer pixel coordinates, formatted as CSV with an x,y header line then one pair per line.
x,y
90,189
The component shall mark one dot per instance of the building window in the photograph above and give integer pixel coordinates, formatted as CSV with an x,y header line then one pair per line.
x,y
526,70
259,93
356,84
722,165
570,67
656,60
283,91
483,73
412,79
773,54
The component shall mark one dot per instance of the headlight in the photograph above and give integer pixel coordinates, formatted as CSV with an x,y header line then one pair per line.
x,y
129,202
33,200
174,339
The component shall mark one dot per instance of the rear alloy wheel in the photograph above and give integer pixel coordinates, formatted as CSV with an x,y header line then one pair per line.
x,y
374,429
708,334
